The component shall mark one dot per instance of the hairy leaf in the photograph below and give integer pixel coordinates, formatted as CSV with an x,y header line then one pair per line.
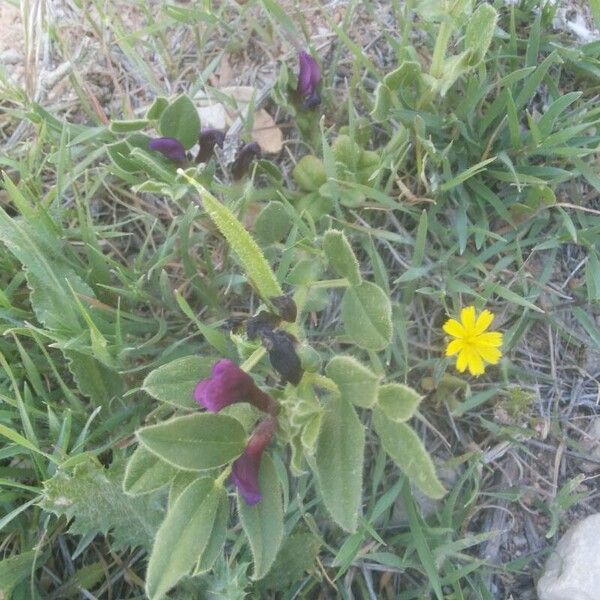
x,y
263,522
93,497
183,536
241,242
339,462
367,316
340,256
195,442
174,382
357,384
145,473
406,449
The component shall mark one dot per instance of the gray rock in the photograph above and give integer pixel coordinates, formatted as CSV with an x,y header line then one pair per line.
x,y
572,571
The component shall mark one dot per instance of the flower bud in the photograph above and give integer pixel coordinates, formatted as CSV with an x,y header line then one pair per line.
x,y
246,468
207,140
170,147
309,78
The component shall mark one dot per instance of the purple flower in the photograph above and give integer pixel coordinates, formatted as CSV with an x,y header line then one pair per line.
x,y
245,156
309,78
228,384
170,147
245,469
208,139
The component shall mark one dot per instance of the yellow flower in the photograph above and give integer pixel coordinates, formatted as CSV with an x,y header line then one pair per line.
x,y
473,345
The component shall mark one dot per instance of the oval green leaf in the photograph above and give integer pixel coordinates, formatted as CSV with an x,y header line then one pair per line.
x,y
357,384
339,462
183,536
263,522
174,382
180,120
406,449
399,402
145,473
367,316
195,442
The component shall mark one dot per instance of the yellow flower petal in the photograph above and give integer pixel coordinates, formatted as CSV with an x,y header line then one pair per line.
x,y
467,318
462,361
454,347
491,338
484,320
454,328
475,363
489,354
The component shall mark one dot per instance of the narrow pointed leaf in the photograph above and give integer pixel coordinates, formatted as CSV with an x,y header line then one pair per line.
x,y
246,249
183,536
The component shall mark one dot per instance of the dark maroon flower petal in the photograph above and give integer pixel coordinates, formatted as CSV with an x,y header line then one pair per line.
x,y
244,475
228,384
246,155
207,140
245,469
282,355
169,147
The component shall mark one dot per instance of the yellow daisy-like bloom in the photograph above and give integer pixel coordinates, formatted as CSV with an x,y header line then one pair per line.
x,y
473,345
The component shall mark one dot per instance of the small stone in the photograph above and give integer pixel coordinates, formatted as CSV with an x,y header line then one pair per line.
x,y
572,571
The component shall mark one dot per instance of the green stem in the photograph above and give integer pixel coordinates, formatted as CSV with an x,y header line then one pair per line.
x,y
220,480
331,283
253,359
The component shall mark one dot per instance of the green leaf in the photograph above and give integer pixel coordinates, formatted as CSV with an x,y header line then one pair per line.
x,y
298,554
241,242
263,522
195,442
399,402
480,31
49,275
180,120
93,497
181,481
217,537
128,126
145,473
309,173
272,224
407,451
183,536
14,569
340,256
357,384
367,316
174,382
339,462
157,108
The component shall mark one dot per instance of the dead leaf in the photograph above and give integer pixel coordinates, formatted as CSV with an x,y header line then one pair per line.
x,y
264,130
